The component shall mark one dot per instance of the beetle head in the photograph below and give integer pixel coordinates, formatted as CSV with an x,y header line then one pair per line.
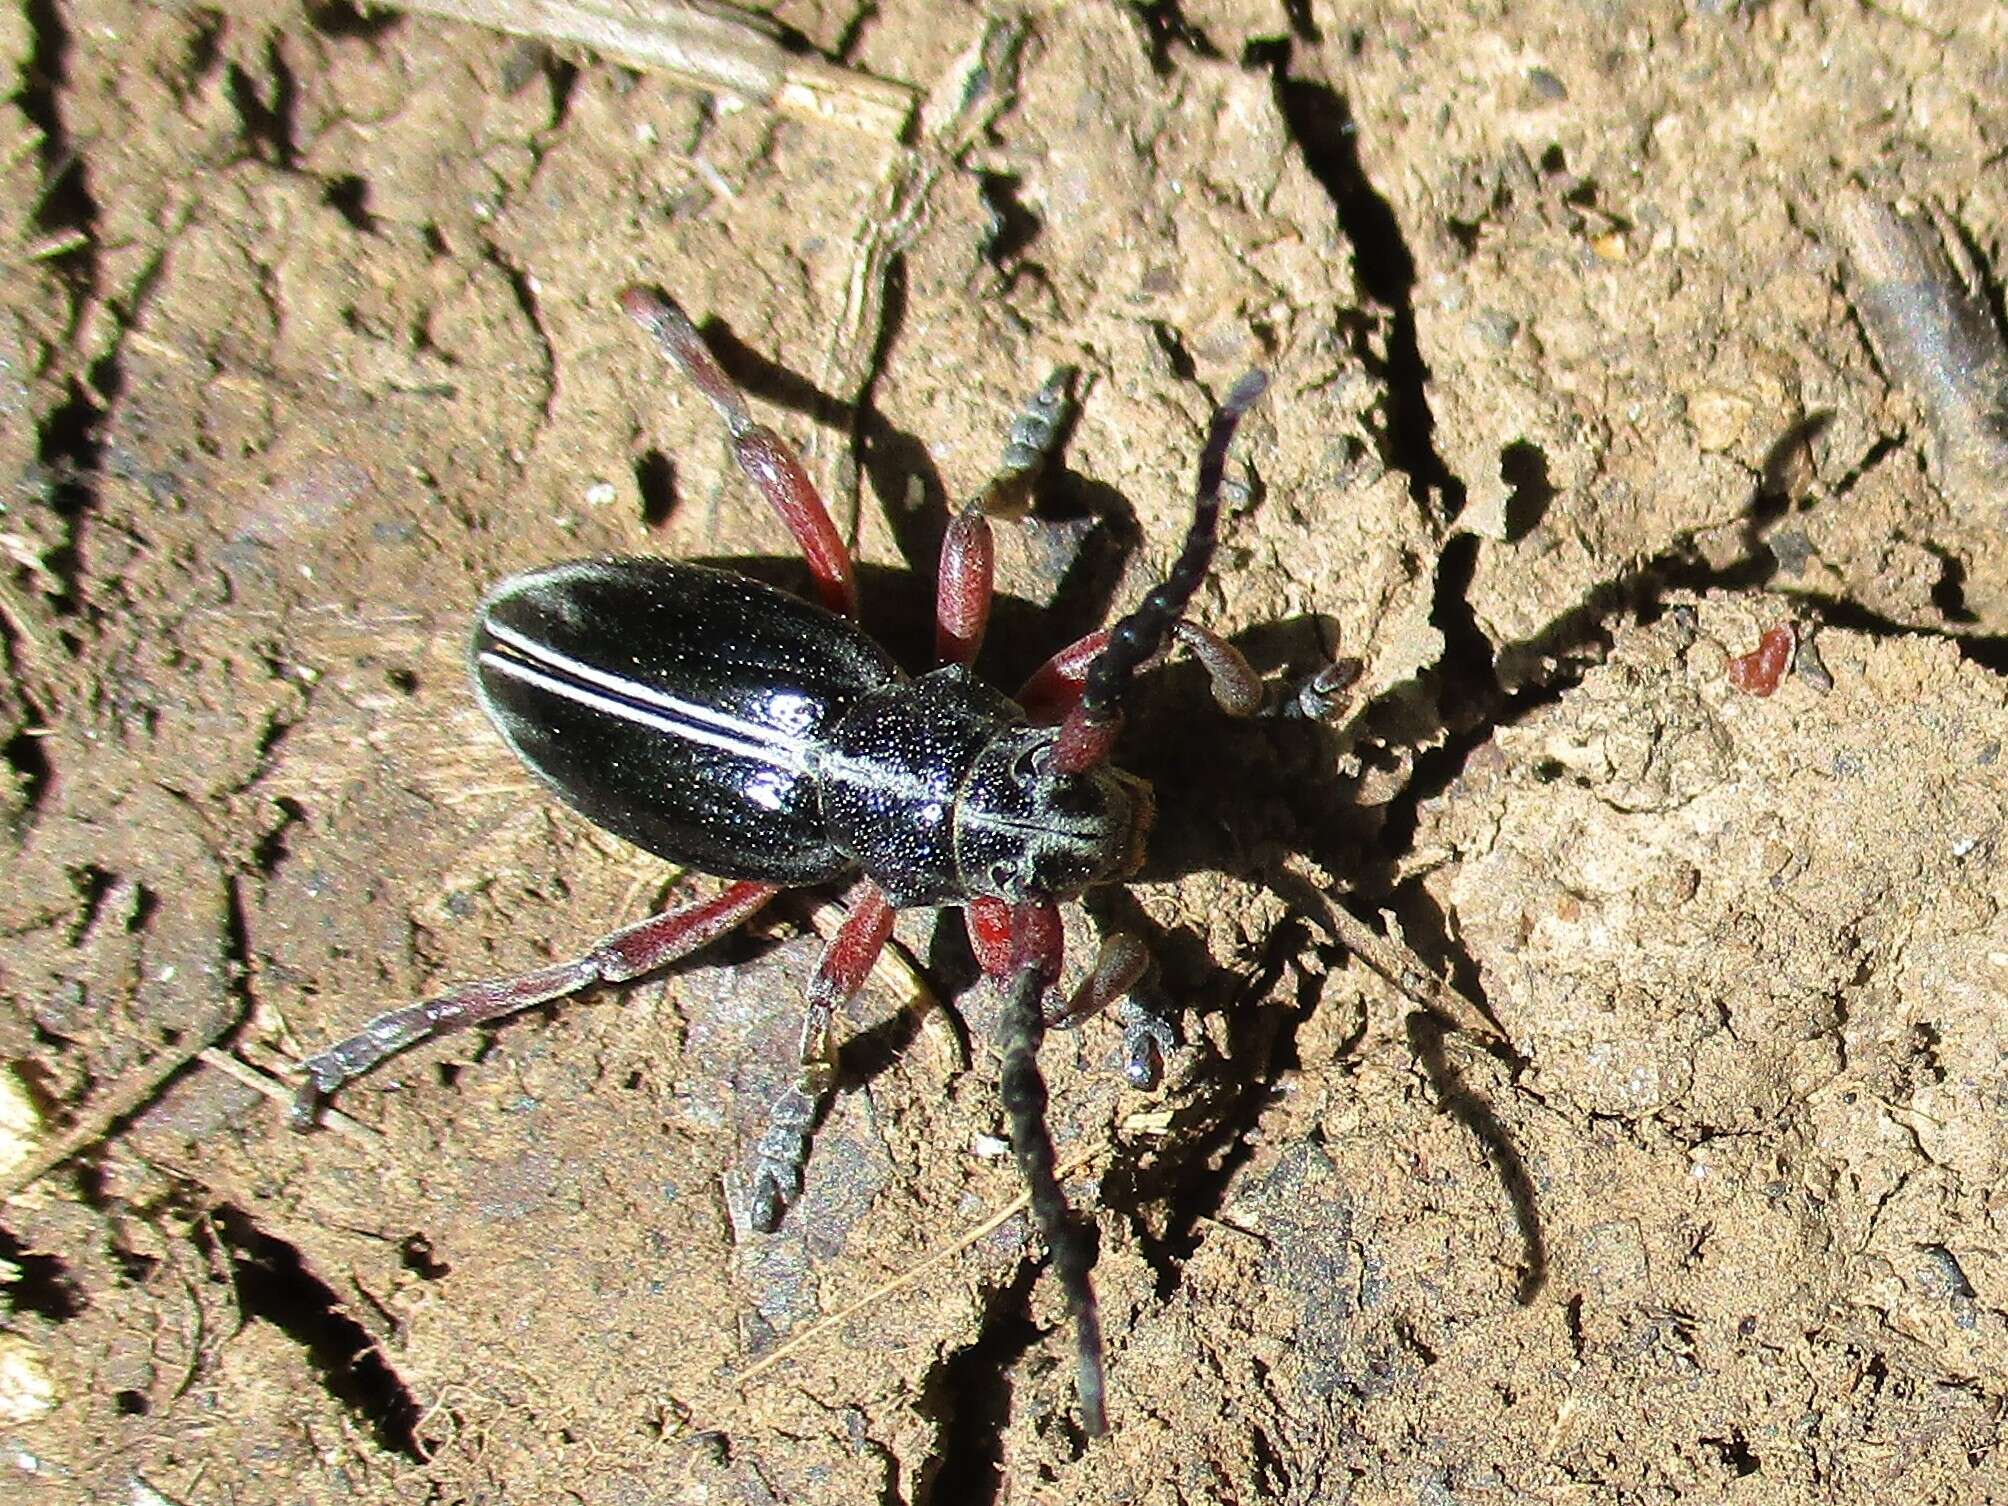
x,y
1024,830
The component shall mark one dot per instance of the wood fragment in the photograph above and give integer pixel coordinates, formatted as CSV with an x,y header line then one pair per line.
x,y
1921,301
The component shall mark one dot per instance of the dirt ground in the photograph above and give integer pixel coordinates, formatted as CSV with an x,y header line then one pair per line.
x,y
308,335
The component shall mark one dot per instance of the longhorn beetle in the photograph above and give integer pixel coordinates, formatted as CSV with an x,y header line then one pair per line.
x,y
726,725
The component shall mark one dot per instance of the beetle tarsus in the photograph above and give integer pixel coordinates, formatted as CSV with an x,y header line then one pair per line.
x,y
781,1156
1149,1037
1322,695
305,1111
1033,437
396,1030
1036,429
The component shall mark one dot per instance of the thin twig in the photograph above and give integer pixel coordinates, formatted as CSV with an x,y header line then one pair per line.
x,y
1397,962
279,1092
908,1277
35,660
123,1099
705,46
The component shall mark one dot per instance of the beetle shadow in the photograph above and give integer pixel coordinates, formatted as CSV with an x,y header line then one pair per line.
x,y
1237,803
1224,1090
1243,800
768,381
1426,1038
1240,803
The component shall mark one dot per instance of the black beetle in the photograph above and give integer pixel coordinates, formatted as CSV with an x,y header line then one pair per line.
x,y
728,726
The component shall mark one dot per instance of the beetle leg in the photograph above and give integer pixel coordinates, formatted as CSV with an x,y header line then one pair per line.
x,y
1124,977
782,1152
1035,957
615,958
1237,689
1121,962
963,591
1055,687
762,454
989,921
968,553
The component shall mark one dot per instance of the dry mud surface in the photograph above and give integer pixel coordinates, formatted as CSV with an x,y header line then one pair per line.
x,y
308,334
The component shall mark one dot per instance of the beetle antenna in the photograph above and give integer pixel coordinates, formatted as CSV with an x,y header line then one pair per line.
x,y
1021,1028
1089,731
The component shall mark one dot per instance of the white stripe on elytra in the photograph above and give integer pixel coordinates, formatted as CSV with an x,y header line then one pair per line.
x,y
643,705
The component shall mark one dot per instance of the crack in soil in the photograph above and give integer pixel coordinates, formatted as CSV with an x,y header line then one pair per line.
x,y
275,1285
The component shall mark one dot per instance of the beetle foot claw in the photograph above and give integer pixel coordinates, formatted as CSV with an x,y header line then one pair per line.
x,y
1324,695
324,1073
780,1158
1059,1011
1148,1038
768,1201
305,1112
